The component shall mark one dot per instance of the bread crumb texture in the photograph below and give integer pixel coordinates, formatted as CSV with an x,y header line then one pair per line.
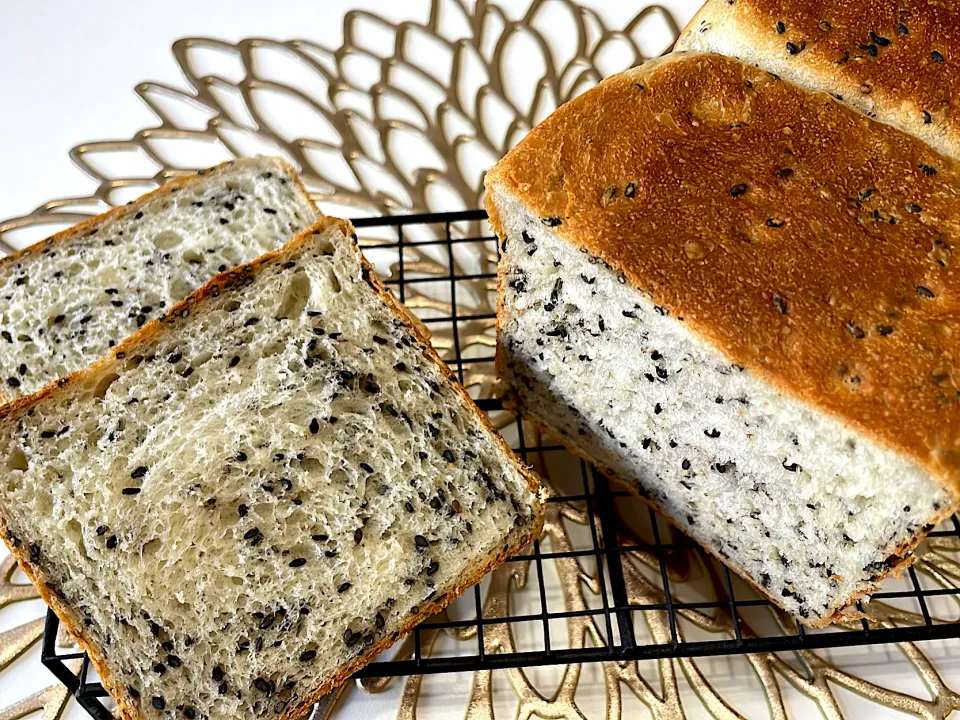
x,y
235,505
809,510
809,244
71,298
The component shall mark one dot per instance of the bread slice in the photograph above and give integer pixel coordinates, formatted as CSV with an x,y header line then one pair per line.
x,y
246,501
70,298
738,297
896,62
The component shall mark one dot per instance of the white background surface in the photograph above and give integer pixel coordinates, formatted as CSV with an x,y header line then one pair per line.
x,y
68,69
67,72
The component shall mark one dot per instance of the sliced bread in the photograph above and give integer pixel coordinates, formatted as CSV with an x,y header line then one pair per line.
x,y
738,297
246,501
898,62
70,298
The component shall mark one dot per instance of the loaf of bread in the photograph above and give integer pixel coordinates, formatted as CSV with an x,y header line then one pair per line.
x,y
739,298
896,61
70,298
244,502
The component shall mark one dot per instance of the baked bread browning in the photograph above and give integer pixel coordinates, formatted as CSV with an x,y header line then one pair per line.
x,y
896,61
721,256
69,298
248,500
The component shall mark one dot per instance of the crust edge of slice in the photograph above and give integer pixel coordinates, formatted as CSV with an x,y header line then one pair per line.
x,y
517,538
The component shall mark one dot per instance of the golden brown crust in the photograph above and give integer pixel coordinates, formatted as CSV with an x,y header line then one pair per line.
x,y
809,244
899,60
144,337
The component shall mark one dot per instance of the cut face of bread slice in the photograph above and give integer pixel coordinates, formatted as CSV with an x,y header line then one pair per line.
x,y
894,62
67,300
720,312
243,503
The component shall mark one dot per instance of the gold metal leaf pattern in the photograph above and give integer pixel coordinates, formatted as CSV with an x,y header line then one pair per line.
x,y
376,130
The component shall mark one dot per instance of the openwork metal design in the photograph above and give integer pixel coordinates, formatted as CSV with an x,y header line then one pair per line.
x,y
404,118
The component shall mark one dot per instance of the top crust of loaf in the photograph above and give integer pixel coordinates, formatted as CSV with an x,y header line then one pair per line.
x,y
897,62
808,243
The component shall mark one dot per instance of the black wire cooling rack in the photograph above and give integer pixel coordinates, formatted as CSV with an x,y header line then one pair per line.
x,y
609,525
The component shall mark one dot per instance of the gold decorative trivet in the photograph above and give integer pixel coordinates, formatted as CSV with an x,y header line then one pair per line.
x,y
379,128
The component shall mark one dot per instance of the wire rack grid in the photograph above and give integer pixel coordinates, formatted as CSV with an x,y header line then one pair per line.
x,y
620,538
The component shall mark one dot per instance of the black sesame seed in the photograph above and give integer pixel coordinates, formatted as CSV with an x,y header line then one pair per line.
x,y
937,56
884,330
189,713
344,587
879,40
433,567
138,215
308,656
139,472
685,464
795,49
241,456
780,27
314,426
927,169
158,702
251,533
111,542
926,116
223,221
775,223
174,661
914,208
13,382
551,221
856,331
420,542
102,530
780,304
784,173
269,211
217,674
925,292
358,536
131,491
792,467
448,456
903,29
738,190
299,562
366,466
712,433
261,685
